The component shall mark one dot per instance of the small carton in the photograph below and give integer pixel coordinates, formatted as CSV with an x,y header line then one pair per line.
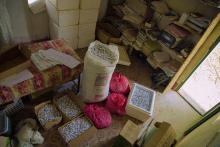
x,y
51,122
87,30
62,17
77,131
140,102
88,16
163,137
69,105
88,4
12,62
65,4
128,135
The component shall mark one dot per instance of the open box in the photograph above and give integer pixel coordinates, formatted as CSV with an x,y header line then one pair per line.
x,y
50,123
85,134
73,98
12,61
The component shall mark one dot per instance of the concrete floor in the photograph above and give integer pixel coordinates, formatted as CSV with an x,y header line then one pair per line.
x,y
169,107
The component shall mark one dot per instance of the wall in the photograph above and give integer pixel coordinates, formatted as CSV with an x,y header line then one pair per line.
x,y
174,109
202,135
27,26
181,6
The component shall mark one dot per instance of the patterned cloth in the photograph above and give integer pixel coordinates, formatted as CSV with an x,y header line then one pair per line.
x,y
45,79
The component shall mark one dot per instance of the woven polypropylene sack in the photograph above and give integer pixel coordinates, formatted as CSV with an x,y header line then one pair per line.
x,y
99,64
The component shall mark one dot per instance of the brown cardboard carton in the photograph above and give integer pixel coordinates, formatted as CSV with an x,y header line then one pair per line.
x,y
130,132
163,137
75,99
51,123
12,62
85,135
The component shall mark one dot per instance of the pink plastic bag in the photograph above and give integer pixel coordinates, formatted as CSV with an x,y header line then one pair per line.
x,y
99,115
116,103
119,84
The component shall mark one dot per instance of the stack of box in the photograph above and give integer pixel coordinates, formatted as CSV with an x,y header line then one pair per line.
x,y
73,20
87,21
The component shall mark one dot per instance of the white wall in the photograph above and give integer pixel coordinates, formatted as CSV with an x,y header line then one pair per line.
x,y
174,109
27,26
202,135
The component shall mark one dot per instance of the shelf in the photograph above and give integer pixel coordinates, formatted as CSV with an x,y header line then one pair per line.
x,y
174,54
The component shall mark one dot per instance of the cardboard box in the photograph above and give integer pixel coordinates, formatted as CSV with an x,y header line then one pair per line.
x,y
88,16
65,4
163,137
49,124
87,30
62,17
85,41
85,135
88,4
68,33
140,102
12,62
75,99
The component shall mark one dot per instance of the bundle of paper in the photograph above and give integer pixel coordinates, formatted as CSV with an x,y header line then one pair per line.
x,y
44,59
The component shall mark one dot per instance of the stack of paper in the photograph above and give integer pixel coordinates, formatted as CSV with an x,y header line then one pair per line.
x,y
44,59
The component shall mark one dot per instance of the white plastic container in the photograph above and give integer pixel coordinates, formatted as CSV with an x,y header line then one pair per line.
x,y
65,4
99,64
88,16
62,17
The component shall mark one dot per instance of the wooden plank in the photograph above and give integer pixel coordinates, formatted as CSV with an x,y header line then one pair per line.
x,y
197,47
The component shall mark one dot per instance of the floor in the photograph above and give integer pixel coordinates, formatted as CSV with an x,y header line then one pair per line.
x,y
170,107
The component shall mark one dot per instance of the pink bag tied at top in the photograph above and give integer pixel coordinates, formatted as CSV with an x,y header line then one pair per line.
x,y
116,103
119,84
99,115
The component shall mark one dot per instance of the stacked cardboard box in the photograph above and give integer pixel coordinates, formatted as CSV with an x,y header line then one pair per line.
x,y
73,20
87,21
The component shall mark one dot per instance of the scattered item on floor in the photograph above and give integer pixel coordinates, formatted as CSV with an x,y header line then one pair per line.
x,y
123,56
161,56
99,115
160,7
47,115
119,84
159,78
77,131
197,22
44,59
14,79
37,6
128,135
99,64
11,109
5,127
28,134
67,106
140,102
116,103
150,46
164,135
